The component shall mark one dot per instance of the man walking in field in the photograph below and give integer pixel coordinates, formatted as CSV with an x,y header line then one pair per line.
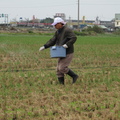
x,y
65,37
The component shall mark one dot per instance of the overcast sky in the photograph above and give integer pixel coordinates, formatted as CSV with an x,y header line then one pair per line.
x,y
104,9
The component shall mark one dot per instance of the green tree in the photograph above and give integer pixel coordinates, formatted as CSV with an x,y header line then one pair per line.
x,y
95,28
47,20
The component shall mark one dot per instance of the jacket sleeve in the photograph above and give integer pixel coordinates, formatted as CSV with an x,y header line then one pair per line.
x,y
70,36
51,42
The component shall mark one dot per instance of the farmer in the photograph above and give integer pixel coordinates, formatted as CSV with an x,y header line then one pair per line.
x,y
65,37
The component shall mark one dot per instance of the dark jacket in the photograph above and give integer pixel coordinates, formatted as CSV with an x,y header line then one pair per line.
x,y
63,36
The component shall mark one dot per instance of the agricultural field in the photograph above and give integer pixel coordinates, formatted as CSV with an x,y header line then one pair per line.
x,y
29,89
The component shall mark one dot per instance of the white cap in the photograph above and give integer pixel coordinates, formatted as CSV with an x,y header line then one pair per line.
x,y
58,20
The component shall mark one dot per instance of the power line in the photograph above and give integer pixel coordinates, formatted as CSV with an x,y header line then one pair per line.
x,y
99,4
54,5
37,6
78,13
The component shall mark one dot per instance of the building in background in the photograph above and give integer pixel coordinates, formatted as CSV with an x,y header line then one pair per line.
x,y
117,20
62,15
113,24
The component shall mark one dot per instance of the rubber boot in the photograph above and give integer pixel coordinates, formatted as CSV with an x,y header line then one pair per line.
x,y
73,75
61,80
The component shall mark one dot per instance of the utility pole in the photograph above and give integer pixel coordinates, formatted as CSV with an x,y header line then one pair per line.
x,y
78,14
69,21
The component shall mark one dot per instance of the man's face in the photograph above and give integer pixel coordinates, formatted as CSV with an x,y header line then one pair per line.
x,y
58,26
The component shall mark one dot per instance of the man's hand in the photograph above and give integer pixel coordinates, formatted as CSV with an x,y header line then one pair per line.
x,y
41,48
65,46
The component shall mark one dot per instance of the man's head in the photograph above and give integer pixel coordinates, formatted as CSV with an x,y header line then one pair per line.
x,y
58,22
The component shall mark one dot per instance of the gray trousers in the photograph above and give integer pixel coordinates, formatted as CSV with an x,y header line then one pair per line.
x,y
62,65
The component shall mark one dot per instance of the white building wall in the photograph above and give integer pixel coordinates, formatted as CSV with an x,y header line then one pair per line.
x,y
117,20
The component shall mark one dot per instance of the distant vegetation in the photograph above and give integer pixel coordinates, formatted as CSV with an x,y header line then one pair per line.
x,y
117,32
89,31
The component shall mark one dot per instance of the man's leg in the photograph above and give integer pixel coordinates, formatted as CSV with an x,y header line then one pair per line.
x,y
62,68
73,75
